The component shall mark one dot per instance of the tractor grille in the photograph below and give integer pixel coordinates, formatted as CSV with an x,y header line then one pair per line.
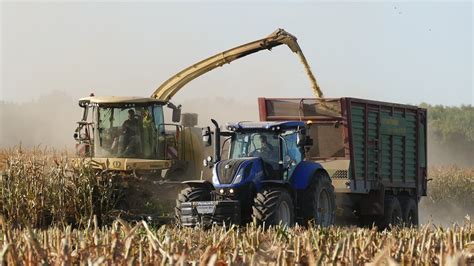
x,y
226,170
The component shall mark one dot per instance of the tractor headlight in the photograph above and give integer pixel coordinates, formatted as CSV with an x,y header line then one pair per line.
x,y
231,191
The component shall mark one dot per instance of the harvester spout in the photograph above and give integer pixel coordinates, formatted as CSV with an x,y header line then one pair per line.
x,y
279,37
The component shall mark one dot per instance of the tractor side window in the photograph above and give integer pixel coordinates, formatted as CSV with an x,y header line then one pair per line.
x,y
291,152
239,146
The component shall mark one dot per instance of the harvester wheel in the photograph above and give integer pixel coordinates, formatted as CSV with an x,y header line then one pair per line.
x,y
319,201
273,206
409,210
190,194
392,213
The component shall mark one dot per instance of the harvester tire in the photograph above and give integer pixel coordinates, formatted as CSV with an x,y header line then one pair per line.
x,y
409,210
190,194
273,206
392,213
319,201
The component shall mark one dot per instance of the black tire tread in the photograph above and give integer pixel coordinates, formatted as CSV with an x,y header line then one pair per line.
x,y
307,210
407,203
391,207
266,203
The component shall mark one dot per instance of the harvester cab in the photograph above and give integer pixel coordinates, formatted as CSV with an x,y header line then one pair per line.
x,y
264,178
126,133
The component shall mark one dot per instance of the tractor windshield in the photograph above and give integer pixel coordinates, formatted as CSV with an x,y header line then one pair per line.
x,y
130,132
256,144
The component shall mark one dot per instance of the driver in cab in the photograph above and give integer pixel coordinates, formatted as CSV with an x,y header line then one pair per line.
x,y
130,128
266,149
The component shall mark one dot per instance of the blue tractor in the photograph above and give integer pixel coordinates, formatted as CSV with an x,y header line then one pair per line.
x,y
264,179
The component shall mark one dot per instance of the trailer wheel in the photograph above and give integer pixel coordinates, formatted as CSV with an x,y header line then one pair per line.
x,y
409,211
273,206
319,201
190,194
392,213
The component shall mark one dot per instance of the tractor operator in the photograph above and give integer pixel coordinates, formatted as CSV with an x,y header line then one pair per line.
x,y
265,151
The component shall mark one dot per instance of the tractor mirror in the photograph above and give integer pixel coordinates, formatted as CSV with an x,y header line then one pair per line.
x,y
206,136
299,139
176,116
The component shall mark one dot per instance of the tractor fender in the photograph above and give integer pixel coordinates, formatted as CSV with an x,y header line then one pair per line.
x,y
199,183
303,173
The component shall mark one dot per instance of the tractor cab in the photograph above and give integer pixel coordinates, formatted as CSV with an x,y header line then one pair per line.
x,y
277,144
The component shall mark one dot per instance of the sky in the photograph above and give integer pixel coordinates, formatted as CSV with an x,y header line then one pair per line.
x,y
391,51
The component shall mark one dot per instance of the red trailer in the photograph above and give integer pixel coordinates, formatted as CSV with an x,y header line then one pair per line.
x,y
375,153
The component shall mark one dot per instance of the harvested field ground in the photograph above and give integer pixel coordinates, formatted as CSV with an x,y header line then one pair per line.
x,y
48,205
138,244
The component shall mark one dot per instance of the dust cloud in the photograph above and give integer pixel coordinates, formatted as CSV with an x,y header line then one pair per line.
x,y
51,119
47,121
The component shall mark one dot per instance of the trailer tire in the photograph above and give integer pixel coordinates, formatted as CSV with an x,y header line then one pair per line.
x,y
392,213
273,206
409,211
318,197
190,194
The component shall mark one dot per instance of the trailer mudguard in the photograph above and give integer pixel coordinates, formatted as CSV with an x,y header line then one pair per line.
x,y
302,174
199,183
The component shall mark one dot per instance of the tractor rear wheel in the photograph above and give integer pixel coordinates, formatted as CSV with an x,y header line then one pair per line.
x,y
409,210
319,201
273,206
190,194
392,213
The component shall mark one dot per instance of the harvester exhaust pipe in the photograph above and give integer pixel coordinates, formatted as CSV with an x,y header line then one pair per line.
x,y
217,142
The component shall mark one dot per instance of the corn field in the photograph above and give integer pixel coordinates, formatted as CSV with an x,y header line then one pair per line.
x,y
55,210
138,244
42,187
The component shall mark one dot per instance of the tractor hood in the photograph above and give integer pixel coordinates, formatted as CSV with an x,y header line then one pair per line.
x,y
233,171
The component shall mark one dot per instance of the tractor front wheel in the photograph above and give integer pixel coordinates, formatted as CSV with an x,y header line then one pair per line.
x,y
273,206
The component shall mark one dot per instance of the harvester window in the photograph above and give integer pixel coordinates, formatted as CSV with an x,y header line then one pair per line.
x,y
129,132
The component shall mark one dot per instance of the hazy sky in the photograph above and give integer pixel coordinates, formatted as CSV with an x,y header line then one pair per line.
x,y
392,51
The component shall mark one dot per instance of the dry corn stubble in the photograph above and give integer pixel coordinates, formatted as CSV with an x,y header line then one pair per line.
x,y
123,243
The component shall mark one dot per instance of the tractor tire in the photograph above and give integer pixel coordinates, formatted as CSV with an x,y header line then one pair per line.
x,y
392,213
409,211
273,206
319,201
190,194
